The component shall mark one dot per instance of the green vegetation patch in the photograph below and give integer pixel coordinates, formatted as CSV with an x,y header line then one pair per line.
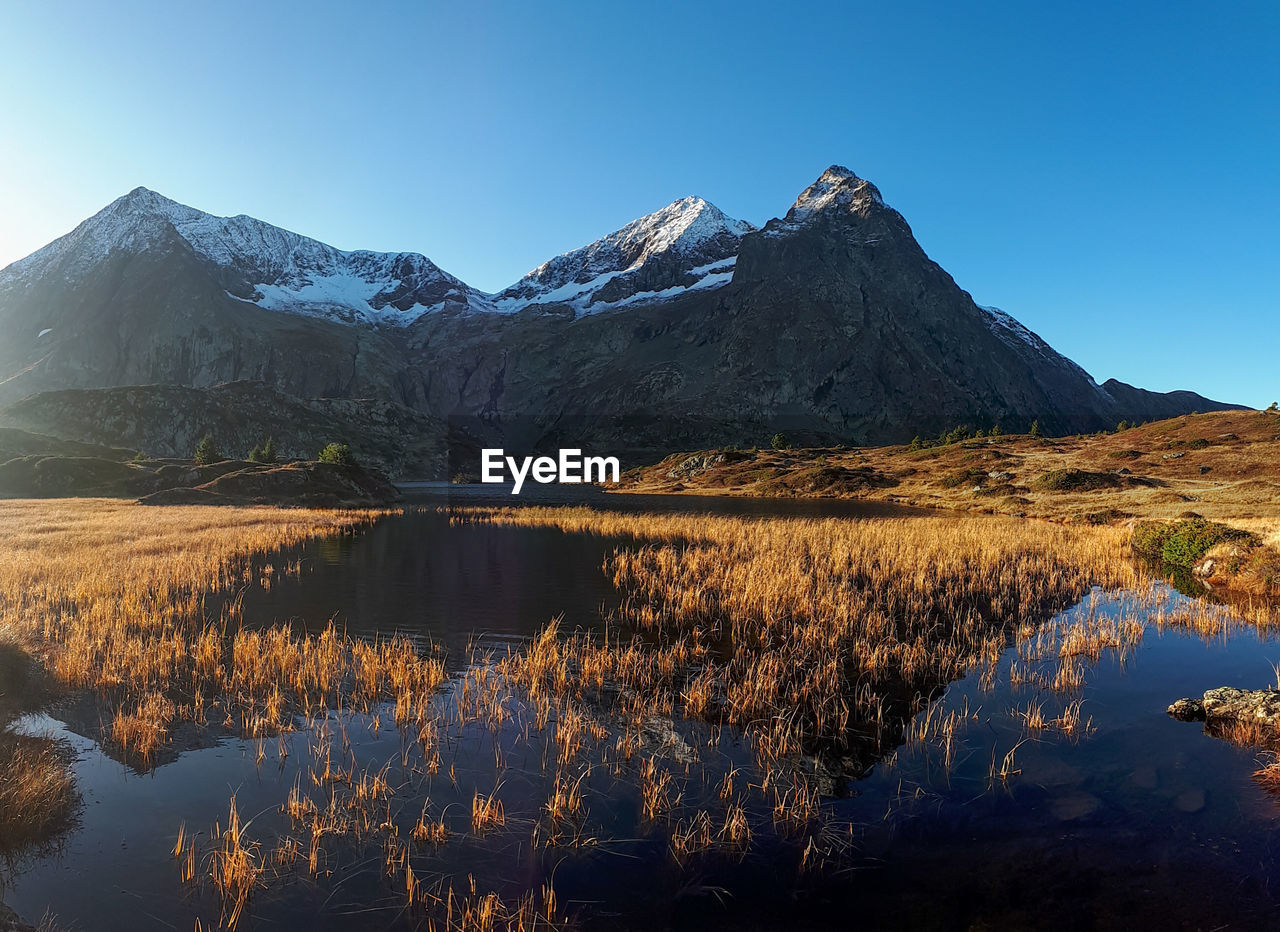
x,y
1076,480
1184,543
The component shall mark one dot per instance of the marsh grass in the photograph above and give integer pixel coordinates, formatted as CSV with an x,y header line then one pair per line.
x,y
814,635
38,798
811,647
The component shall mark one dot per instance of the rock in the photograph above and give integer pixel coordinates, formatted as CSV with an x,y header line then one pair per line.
x,y
1175,456
1075,806
1228,703
658,735
694,464
1000,476
1204,569
1187,710
1189,801
1146,778
1257,705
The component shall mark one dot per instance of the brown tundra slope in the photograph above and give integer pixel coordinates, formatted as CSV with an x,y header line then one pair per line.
x,y
1223,466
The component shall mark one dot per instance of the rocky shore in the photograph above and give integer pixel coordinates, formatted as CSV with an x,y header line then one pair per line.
x,y
1229,704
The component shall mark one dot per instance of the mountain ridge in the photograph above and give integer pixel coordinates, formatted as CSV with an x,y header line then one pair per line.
x,y
683,329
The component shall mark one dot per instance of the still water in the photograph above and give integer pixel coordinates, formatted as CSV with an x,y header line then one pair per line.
x,y
1143,822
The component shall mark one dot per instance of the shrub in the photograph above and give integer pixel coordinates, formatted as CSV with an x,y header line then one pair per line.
x,y
1183,543
207,451
337,453
1075,480
780,442
967,477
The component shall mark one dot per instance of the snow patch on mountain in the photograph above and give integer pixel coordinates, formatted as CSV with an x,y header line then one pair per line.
x,y
674,247
1008,328
1018,335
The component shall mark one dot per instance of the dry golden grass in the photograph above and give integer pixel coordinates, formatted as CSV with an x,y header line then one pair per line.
x,y
37,795
819,627
235,870
115,598
487,813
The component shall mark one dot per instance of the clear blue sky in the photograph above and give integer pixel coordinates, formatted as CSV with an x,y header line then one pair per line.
x,y
1109,173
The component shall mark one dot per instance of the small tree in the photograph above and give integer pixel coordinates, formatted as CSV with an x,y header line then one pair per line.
x,y
337,453
265,454
1035,429
916,444
1122,427
207,451
996,431
1274,406
780,442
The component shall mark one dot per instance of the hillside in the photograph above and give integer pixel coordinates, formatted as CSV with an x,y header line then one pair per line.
x,y
170,420
1224,466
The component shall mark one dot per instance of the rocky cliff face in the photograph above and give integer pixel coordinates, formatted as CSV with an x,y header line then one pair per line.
x,y
684,328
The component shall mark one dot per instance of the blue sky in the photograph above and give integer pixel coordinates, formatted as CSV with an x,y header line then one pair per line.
x,y
1109,173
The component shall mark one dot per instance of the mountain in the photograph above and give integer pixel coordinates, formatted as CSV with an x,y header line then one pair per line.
x,y
685,328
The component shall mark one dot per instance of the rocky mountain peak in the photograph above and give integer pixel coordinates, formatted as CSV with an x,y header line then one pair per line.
x,y
689,244
837,190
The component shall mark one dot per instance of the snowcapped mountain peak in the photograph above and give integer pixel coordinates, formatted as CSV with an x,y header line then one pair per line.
x,y
257,263
683,224
689,244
